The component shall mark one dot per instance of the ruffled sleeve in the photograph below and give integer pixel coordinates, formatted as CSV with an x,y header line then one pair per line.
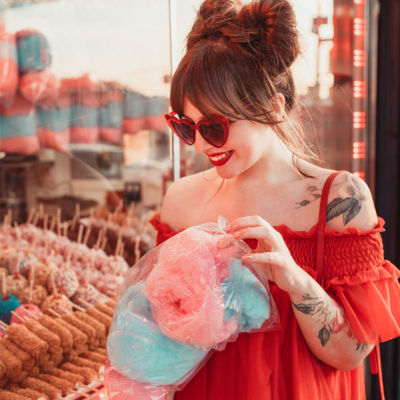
x,y
164,232
366,284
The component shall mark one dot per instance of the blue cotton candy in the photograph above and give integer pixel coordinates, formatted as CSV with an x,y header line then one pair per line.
x,y
243,284
138,350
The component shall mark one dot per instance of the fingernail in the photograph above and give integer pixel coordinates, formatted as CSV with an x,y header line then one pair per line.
x,y
228,228
246,257
223,244
237,234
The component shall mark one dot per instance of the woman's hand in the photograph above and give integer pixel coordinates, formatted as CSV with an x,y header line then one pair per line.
x,y
272,252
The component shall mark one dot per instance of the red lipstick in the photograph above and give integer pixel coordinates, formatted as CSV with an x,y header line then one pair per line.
x,y
222,162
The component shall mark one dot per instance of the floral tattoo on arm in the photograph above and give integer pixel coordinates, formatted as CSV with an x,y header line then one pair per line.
x,y
352,193
329,314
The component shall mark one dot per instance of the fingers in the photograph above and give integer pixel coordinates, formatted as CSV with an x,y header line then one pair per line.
x,y
245,222
264,258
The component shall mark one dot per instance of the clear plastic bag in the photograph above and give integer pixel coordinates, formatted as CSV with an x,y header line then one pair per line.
x,y
183,300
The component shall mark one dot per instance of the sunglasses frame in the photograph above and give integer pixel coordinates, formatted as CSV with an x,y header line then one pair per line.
x,y
217,119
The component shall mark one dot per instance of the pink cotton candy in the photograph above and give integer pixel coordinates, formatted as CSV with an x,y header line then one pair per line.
x,y
184,289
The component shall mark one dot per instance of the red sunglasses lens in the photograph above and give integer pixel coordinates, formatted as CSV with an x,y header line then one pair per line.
x,y
183,131
213,133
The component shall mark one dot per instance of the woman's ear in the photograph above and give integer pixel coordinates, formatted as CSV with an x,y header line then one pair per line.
x,y
278,102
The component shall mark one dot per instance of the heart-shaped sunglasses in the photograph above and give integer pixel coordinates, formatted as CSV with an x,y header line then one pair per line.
x,y
215,131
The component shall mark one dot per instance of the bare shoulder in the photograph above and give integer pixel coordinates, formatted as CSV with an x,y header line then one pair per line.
x,y
350,204
184,197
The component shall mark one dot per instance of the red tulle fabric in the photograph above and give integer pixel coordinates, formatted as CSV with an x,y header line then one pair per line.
x,y
279,365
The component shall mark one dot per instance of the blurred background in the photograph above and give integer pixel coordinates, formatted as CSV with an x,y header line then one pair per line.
x,y
84,86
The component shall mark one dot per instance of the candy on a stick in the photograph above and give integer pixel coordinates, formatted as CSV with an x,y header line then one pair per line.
x,y
83,362
110,303
39,330
79,338
56,302
102,351
103,343
28,361
43,270
95,357
6,395
62,384
104,309
28,341
34,372
87,373
6,254
43,359
98,326
65,280
46,366
33,294
57,357
71,355
18,378
103,318
7,304
41,386
16,283
22,262
3,370
69,376
24,312
30,393
109,283
95,344
3,382
12,363
82,349
63,333
82,326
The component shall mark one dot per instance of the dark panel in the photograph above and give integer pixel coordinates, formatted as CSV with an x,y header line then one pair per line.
x,y
387,194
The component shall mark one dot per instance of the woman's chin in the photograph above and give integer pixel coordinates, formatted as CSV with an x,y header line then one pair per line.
x,y
225,173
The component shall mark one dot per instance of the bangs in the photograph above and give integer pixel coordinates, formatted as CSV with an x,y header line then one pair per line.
x,y
212,81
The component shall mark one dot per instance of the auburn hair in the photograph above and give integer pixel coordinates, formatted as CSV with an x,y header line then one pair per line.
x,y
238,58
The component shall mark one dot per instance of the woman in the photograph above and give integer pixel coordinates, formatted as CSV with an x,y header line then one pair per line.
x,y
315,233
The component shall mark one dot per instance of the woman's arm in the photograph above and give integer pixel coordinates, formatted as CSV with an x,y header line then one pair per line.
x,y
326,327
322,320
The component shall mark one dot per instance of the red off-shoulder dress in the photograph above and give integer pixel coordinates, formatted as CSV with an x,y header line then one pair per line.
x,y
279,365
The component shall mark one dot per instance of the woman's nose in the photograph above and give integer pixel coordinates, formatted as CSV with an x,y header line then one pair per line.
x,y
200,145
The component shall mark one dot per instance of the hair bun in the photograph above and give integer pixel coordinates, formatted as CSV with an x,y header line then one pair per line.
x,y
215,18
270,30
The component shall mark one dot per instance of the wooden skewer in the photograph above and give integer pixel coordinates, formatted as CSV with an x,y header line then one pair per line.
x,y
112,293
104,243
29,313
3,324
54,313
79,240
65,310
41,210
77,307
85,303
36,219
81,394
65,229
87,234
17,316
88,387
31,215
45,222
53,223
